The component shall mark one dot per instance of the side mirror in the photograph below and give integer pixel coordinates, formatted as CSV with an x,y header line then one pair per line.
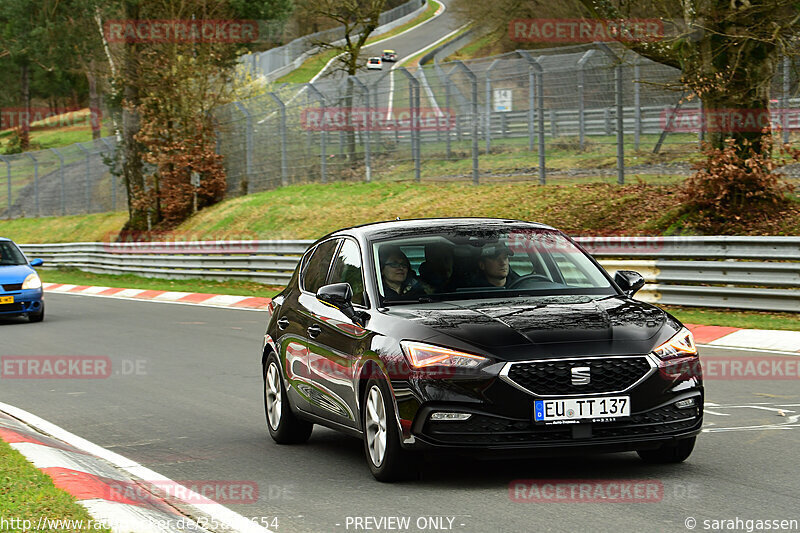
x,y
340,296
629,281
36,262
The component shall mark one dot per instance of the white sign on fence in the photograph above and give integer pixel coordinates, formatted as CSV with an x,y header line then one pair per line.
x,y
502,100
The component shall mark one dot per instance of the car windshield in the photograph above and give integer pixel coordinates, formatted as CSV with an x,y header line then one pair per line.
x,y
469,264
10,254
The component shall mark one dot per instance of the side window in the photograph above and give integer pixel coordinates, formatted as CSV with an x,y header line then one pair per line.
x,y
347,269
317,268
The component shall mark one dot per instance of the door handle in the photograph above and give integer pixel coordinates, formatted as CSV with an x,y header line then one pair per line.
x,y
314,331
283,323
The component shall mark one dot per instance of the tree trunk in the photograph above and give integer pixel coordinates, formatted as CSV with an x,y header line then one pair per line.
x,y
25,123
94,100
132,167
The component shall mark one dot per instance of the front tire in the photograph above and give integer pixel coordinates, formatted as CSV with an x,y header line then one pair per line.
x,y
669,453
387,459
284,427
37,317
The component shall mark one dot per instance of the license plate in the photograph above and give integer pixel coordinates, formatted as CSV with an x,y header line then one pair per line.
x,y
564,410
6,299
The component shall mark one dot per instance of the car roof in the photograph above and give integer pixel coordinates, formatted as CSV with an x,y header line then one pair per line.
x,y
4,239
374,58
392,51
392,228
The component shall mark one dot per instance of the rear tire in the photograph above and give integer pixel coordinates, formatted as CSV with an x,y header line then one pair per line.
x,y
669,453
284,427
37,317
387,459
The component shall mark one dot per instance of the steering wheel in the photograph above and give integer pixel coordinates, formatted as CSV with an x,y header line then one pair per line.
x,y
528,277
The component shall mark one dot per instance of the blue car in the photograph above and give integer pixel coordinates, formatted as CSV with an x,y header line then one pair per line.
x,y
20,286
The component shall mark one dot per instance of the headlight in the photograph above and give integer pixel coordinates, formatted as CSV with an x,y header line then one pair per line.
x,y
680,345
420,355
32,282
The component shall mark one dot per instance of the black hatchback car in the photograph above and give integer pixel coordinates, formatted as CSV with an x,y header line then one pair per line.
x,y
478,336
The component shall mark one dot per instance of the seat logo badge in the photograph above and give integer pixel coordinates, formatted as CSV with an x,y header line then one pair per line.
x,y
581,375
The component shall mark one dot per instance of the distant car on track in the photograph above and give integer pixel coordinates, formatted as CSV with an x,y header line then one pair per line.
x,y
477,336
390,56
374,63
20,286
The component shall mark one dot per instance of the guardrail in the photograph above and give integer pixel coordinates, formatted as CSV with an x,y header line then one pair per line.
x,y
756,273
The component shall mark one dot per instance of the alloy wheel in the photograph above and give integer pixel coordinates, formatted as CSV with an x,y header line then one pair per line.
x,y
376,426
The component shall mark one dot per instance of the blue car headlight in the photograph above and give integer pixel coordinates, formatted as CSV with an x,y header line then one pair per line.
x,y
32,281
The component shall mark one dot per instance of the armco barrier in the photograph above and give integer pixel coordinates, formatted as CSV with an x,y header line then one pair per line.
x,y
758,273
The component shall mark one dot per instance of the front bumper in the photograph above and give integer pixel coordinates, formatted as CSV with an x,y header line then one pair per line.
x,y
502,413
25,302
482,430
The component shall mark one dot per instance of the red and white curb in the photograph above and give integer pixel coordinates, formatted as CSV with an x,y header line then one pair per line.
x,y
758,339
213,300
110,486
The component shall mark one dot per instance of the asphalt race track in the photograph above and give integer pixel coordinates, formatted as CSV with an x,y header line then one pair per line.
x,y
184,399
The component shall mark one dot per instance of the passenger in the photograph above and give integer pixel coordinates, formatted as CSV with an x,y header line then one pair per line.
x,y
494,268
399,281
436,272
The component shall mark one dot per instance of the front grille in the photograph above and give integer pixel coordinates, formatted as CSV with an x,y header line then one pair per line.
x,y
481,429
554,377
9,308
12,287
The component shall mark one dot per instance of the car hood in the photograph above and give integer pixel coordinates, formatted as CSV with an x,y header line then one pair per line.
x,y
559,326
14,274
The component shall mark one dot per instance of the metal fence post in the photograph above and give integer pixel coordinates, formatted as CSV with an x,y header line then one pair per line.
x,y
787,66
61,175
413,97
637,105
8,176
488,120
113,176
587,55
284,162
473,80
447,97
618,104
367,158
248,155
538,90
322,157
88,176
35,182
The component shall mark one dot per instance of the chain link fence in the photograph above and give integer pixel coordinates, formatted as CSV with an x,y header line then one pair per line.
x,y
581,113
587,113
70,180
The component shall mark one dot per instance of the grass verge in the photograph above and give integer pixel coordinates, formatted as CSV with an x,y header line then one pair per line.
x,y
26,494
129,281
735,319
312,210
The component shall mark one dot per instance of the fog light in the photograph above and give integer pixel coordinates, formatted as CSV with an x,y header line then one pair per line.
x,y
685,404
450,416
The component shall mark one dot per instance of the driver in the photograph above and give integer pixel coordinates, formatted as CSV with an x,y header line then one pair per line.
x,y
494,269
